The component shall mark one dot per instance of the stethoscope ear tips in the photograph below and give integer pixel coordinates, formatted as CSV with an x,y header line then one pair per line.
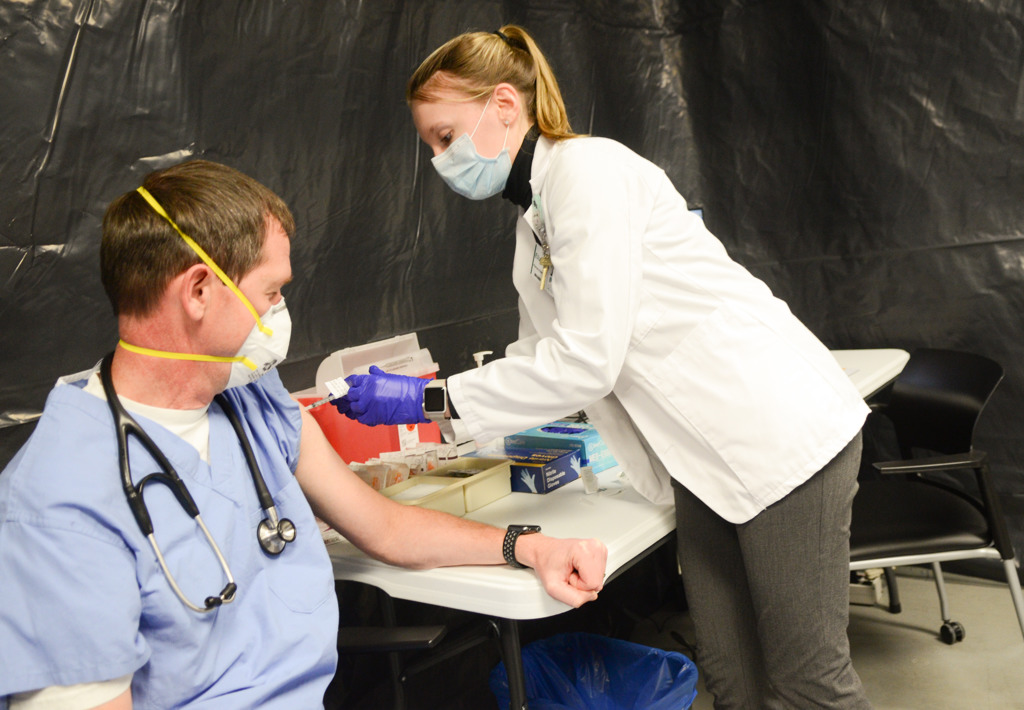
x,y
227,596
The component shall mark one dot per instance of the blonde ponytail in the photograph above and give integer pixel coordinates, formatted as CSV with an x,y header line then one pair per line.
x,y
475,62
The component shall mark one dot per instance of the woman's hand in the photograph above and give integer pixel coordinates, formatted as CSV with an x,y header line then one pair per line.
x,y
382,398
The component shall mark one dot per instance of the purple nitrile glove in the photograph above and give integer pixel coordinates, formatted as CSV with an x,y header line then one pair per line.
x,y
381,398
342,404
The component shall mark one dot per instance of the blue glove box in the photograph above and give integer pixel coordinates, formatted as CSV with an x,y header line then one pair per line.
x,y
564,434
537,470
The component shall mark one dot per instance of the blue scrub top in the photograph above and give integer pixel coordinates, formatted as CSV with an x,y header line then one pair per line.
x,y
83,599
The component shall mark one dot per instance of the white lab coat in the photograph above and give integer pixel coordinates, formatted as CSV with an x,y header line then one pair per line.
x,y
669,345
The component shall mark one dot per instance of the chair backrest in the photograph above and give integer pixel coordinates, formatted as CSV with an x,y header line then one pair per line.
x,y
937,399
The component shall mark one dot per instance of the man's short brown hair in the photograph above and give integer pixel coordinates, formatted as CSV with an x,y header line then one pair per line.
x,y
222,209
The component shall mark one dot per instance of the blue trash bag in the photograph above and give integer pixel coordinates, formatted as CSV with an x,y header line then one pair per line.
x,y
577,671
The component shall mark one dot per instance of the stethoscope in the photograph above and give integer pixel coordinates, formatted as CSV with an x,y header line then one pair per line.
x,y
273,533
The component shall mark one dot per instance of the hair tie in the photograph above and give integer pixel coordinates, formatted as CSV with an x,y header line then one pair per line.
x,y
504,37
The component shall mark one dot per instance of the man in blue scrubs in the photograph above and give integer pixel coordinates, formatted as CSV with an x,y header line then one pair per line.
x,y
90,616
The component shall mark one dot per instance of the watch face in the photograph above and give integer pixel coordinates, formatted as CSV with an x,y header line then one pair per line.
x,y
434,399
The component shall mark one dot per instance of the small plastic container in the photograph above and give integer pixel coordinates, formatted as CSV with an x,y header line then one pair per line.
x,y
375,475
458,488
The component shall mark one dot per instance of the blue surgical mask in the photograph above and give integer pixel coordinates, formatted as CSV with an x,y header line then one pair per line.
x,y
469,173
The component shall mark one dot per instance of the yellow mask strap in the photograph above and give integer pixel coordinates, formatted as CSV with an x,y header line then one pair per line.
x,y
158,208
186,356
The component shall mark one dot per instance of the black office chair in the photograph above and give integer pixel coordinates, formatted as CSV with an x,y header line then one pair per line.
x,y
391,639
412,649
910,515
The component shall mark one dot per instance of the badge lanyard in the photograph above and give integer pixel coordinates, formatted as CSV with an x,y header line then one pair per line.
x,y
541,234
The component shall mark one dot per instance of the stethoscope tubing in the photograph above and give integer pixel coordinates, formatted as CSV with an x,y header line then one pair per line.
x,y
273,534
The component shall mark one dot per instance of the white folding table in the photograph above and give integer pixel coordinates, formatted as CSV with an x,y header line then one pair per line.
x,y
629,525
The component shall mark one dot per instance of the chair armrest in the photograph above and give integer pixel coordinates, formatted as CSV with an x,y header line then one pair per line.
x,y
971,459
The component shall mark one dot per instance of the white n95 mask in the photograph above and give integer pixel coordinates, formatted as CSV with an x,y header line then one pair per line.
x,y
260,352
265,347
469,173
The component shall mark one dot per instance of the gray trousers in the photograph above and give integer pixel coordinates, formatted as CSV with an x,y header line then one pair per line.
x,y
770,597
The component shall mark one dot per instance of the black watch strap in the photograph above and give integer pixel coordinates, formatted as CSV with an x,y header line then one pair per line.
x,y
508,547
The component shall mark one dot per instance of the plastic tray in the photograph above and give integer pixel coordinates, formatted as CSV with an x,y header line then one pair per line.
x,y
493,481
449,489
438,494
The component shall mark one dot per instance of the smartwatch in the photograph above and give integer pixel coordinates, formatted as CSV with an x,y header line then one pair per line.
x,y
508,548
435,401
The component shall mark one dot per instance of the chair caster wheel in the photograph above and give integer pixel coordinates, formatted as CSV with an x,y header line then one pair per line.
x,y
952,632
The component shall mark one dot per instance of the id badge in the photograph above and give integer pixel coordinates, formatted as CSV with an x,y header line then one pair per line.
x,y
536,270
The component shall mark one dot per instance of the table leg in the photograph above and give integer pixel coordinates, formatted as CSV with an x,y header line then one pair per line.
x,y
387,607
512,655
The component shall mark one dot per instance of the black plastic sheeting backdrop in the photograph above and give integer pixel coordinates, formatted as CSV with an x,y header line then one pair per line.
x,y
865,159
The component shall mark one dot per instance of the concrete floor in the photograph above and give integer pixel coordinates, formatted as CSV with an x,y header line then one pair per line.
x,y
903,663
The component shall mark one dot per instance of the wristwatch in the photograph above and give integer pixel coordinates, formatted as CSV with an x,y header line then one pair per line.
x,y
435,401
508,548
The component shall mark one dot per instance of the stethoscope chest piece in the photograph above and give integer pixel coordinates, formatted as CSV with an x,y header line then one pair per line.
x,y
274,534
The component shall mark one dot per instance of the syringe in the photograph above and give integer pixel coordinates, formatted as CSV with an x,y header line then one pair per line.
x,y
337,388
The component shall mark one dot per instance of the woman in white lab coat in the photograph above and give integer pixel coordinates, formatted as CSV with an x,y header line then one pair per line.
x,y
704,385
